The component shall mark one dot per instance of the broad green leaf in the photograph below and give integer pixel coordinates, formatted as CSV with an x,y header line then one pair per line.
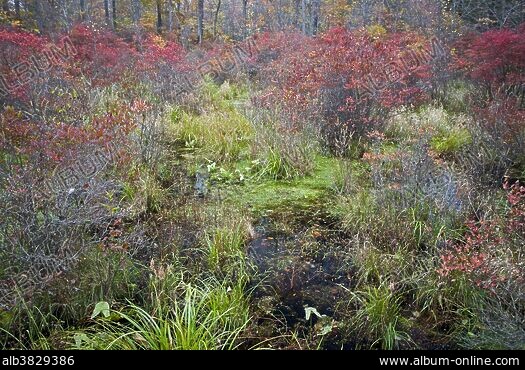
x,y
308,311
101,308
326,329
79,338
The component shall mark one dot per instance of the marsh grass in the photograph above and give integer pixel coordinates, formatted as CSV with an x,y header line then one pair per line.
x,y
406,126
456,96
221,136
282,156
282,150
501,328
206,314
225,245
379,317
451,142
392,213
29,327
453,303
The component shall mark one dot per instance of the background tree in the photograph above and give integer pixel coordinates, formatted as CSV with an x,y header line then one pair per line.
x,y
136,12
106,11
159,15
114,13
245,17
17,9
37,8
216,18
316,12
82,4
185,20
170,16
200,20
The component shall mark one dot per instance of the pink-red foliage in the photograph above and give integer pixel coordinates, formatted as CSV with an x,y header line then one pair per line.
x,y
345,76
494,58
17,47
502,117
486,256
101,56
495,62
156,51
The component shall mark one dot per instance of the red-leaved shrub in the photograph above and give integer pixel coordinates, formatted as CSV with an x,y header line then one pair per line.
x,y
349,79
490,254
494,58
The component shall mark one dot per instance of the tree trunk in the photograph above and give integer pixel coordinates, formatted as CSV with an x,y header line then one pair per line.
x,y
303,15
39,14
245,18
177,23
17,9
216,18
159,16
135,12
114,13
297,6
106,11
170,16
316,11
280,14
82,10
200,20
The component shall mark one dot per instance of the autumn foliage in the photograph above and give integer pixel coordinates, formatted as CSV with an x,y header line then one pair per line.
x,y
349,79
494,58
486,255
362,162
47,115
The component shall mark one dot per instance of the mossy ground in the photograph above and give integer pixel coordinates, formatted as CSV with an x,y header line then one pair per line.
x,y
266,197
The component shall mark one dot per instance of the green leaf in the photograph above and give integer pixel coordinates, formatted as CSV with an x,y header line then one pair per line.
x,y
308,311
80,338
326,329
101,308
